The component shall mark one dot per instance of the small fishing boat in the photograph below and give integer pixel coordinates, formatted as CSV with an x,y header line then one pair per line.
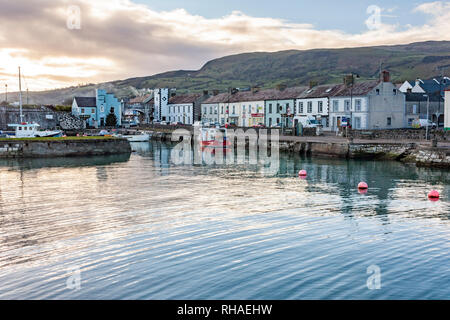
x,y
138,137
29,130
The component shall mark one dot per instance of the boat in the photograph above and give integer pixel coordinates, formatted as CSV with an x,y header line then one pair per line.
x,y
29,130
139,137
208,138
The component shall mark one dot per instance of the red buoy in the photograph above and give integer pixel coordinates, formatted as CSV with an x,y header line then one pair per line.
x,y
302,173
363,186
433,195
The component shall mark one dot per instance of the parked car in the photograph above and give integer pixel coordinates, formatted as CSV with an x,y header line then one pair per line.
x,y
307,122
422,123
164,123
259,125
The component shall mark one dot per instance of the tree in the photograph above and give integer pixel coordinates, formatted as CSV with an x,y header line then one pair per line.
x,y
111,120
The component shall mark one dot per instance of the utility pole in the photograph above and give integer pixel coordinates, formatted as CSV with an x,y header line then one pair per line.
x,y
428,108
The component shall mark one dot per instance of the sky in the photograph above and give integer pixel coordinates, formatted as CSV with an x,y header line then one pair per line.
x,y
59,43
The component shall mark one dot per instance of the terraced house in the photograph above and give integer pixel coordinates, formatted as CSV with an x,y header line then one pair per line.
x,y
280,107
185,108
94,110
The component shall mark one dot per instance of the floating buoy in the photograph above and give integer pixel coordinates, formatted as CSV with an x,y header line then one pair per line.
x,y
363,186
433,195
362,191
302,173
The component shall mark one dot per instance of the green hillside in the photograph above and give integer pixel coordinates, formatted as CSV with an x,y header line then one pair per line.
x,y
291,67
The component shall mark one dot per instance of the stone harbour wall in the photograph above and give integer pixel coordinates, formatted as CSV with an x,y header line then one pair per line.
x,y
11,148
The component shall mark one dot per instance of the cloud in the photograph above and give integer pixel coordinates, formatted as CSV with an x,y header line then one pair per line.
x,y
120,39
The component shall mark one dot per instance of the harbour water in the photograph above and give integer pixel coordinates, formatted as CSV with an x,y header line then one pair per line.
x,y
140,227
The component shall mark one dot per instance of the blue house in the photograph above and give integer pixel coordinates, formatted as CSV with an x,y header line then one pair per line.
x,y
95,109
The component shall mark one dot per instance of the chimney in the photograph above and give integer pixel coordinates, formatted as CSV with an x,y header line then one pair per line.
x,y
281,87
348,80
417,81
255,89
215,92
312,84
232,90
205,92
173,94
385,76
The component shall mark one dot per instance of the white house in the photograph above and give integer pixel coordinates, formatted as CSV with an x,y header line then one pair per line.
x,y
280,108
368,105
314,103
185,108
447,110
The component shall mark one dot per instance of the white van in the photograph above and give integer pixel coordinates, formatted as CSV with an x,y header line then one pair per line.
x,y
422,123
306,122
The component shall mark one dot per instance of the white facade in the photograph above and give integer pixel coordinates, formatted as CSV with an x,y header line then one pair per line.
x,y
161,100
210,112
356,108
316,108
276,111
183,113
405,86
447,111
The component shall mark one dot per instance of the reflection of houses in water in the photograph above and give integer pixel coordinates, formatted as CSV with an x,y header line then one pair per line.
x,y
161,157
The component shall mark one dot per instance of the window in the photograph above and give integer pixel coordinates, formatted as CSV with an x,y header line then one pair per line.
x,y
410,121
243,109
278,108
300,108
82,110
378,92
287,107
347,105
234,109
215,110
414,109
111,110
335,105
221,110
295,108
270,108
309,106
389,121
93,110
210,110
357,122
395,91
320,107
358,104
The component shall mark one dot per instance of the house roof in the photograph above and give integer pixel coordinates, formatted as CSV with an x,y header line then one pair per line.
x,y
86,102
358,89
185,98
141,99
321,91
412,96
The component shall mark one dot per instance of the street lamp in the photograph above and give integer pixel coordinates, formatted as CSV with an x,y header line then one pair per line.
x,y
428,110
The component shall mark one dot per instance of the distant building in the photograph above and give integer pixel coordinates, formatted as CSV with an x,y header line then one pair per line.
x,y
94,110
141,108
186,108
432,86
314,103
161,100
447,110
280,108
368,105
416,108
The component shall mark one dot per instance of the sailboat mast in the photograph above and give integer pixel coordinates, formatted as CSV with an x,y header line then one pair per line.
x,y
20,97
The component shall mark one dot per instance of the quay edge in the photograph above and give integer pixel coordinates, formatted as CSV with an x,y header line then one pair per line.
x,y
45,148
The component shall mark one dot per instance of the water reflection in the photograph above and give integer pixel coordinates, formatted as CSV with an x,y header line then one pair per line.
x,y
142,227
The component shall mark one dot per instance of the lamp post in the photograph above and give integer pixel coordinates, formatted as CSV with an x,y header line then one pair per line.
x,y
428,110
351,96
